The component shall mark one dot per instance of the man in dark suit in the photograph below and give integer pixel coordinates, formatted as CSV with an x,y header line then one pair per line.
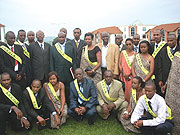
x,y
62,59
12,108
12,60
40,108
156,50
77,44
118,41
56,39
136,39
40,52
83,97
30,38
165,61
21,38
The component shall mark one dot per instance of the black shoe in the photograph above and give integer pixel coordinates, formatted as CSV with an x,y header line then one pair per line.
x,y
91,121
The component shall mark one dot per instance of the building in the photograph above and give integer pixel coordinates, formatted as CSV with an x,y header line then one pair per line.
x,y
111,30
165,29
135,28
2,32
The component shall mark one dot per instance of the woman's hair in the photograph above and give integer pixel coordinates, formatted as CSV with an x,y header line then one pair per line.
x,y
53,73
178,40
140,80
148,44
129,39
89,34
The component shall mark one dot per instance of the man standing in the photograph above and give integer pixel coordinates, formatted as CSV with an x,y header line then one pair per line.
x,y
166,57
40,52
110,96
118,41
77,44
11,105
156,50
62,60
12,60
31,37
110,55
136,39
83,97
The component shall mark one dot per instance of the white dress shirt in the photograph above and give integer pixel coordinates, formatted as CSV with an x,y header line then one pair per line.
x,y
136,48
62,46
41,44
23,44
157,45
16,66
104,53
158,107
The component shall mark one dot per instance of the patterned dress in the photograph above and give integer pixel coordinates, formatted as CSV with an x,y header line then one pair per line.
x,y
173,93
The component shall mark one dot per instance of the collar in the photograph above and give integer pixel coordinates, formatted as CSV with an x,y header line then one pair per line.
x,y
174,48
41,43
62,44
9,89
10,46
153,99
136,46
76,40
158,44
20,42
105,46
109,84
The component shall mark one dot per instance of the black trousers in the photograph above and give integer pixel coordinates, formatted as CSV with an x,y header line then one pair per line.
x,y
103,70
12,120
67,92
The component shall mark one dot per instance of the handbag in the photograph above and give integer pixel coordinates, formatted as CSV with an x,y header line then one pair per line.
x,y
89,69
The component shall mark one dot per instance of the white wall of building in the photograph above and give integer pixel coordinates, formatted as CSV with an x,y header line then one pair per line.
x,y
2,34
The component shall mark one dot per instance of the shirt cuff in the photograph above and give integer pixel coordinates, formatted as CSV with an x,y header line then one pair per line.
x,y
53,113
10,110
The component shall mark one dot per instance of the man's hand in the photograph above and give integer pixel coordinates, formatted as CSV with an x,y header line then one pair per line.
x,y
105,109
163,88
41,121
18,77
126,116
25,122
18,112
160,84
89,73
111,106
82,110
138,124
57,119
77,110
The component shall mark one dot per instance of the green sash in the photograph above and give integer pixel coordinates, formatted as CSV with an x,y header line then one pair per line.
x,y
53,91
158,49
26,53
33,99
9,95
169,53
62,53
127,58
9,52
87,57
177,54
134,95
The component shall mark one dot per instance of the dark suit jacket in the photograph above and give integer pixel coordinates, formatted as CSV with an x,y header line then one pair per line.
x,y
61,65
42,100
7,63
165,64
77,51
39,60
89,90
5,102
56,40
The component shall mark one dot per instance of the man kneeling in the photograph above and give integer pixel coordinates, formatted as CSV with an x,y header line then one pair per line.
x,y
158,120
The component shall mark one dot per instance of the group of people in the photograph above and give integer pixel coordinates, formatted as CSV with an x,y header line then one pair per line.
x,y
43,83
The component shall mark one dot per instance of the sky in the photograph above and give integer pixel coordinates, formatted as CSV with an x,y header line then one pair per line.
x,y
51,15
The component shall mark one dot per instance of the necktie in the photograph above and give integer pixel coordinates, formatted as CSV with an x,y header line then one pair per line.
x,y
12,49
77,44
81,90
108,87
42,46
172,51
156,46
149,116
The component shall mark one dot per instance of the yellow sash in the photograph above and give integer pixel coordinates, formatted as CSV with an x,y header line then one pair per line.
x,y
9,52
87,57
79,93
152,113
158,49
103,85
127,58
53,91
142,67
169,53
177,54
62,53
134,95
33,99
25,51
9,95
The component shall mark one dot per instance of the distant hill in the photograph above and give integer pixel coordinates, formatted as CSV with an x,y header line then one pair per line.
x,y
49,39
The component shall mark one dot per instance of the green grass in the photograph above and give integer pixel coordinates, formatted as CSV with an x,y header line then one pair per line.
x,y
72,127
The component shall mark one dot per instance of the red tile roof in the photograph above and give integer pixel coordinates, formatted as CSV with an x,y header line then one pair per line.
x,y
110,30
1,25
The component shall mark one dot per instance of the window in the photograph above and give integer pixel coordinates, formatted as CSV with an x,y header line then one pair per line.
x,y
163,35
132,31
144,36
0,33
150,35
124,29
178,32
125,36
144,28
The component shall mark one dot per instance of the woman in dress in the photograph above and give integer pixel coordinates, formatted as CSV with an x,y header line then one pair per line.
x,y
137,92
91,60
143,64
56,92
125,61
173,90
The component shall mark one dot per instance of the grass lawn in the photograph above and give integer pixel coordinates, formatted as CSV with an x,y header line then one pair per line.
x,y
72,127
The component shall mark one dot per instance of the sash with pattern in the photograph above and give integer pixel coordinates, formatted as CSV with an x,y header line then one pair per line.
x,y
134,95
127,58
9,95
169,53
158,49
26,53
79,92
142,67
62,53
152,113
177,54
12,54
87,57
103,85
33,99
53,91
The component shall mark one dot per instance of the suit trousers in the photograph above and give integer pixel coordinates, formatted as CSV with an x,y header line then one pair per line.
x,y
103,69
